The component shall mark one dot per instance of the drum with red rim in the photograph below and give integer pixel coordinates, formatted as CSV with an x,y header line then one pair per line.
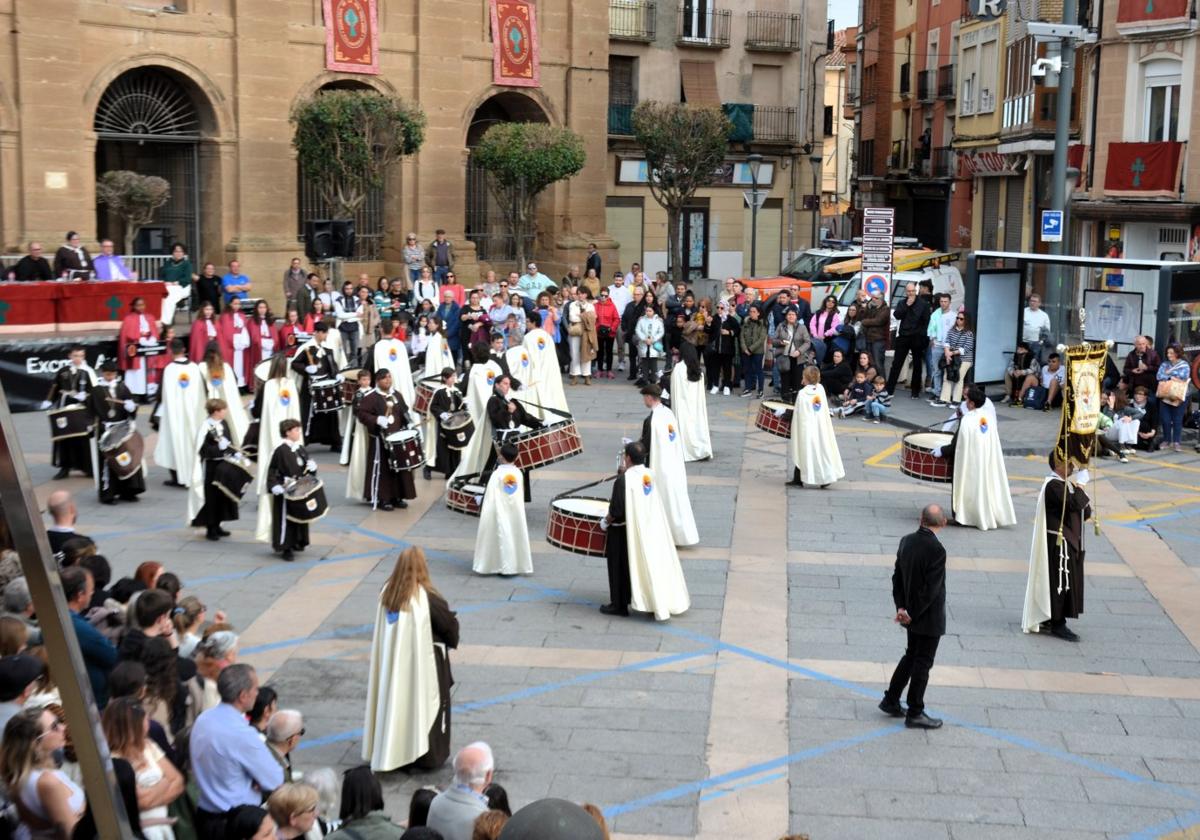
x,y
574,524
349,378
539,447
425,391
918,461
465,495
404,450
775,418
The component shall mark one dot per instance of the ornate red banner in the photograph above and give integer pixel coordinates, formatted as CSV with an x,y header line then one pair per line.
x,y
352,36
515,44
1143,170
1151,11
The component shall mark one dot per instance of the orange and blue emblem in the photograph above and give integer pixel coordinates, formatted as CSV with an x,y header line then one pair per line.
x,y
647,484
392,354
217,381
491,378
509,484
285,396
184,380
524,360
816,403
541,343
670,432
983,427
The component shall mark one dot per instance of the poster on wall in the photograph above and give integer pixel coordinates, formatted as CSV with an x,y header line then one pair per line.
x,y
352,36
515,44
1112,316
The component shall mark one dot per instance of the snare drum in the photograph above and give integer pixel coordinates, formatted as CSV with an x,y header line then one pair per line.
x,y
122,447
326,395
71,421
574,524
349,385
233,475
918,461
457,429
404,450
425,392
773,423
465,495
304,500
539,447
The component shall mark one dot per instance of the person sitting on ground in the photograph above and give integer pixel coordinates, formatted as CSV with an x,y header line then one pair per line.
x,y
1141,366
362,813
1125,419
879,401
1024,364
1148,424
418,806
836,373
1052,379
454,810
854,397
488,825
293,807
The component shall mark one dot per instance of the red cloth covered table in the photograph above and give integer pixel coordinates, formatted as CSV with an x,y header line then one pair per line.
x,y
31,307
28,307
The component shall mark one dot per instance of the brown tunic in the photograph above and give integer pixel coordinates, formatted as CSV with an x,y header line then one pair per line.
x,y
1069,602
382,485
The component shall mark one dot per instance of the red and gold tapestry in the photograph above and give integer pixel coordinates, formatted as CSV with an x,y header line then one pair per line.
x,y
515,44
1143,170
1151,12
352,36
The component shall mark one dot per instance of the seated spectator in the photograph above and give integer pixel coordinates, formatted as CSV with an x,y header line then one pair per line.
x,y
454,810
110,266
325,781
61,508
853,397
294,808
1125,419
1141,367
284,732
879,401
19,676
33,266
159,781
1035,326
1148,424
249,822
48,802
362,808
836,373
865,365
1050,380
497,798
128,679
99,655
1023,365
488,825
266,705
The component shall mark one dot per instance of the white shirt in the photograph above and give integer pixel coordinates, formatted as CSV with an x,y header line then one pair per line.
x,y
425,291
620,296
1047,375
1034,322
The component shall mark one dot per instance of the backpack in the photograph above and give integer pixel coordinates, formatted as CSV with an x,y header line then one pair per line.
x,y
1035,397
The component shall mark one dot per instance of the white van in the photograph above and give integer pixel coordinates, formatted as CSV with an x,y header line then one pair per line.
x,y
946,278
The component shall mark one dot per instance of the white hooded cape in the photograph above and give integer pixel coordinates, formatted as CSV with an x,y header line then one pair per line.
x,y
1037,586
238,418
182,412
689,402
480,382
813,444
196,486
402,687
656,578
392,355
437,355
502,540
520,365
280,401
980,490
543,359
355,445
666,462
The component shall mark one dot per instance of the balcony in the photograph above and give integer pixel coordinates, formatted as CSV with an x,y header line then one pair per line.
x,y
620,119
772,31
945,162
631,20
905,80
705,28
987,102
898,159
926,85
775,124
945,82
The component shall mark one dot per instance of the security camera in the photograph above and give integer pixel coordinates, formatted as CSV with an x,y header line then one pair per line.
x,y
1045,71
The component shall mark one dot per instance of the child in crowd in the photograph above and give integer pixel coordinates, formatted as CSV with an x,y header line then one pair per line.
x,y
854,398
878,401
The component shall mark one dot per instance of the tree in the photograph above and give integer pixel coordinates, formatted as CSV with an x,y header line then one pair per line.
x,y
133,197
685,146
346,140
521,160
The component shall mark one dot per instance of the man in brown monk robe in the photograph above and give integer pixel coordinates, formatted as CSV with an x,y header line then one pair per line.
x,y
383,412
1054,592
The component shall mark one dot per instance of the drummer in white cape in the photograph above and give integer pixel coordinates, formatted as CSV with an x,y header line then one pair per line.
x,y
315,361
689,402
502,540
181,411
356,441
664,450
980,497
480,382
277,400
545,374
446,401
111,403
643,565
407,720
814,449
383,412
213,443
1054,591
392,354
289,462
221,384
72,383
508,417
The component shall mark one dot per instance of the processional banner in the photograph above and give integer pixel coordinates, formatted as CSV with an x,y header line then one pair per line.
x,y
515,57
352,36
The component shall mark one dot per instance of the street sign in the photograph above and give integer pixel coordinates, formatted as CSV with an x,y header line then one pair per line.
x,y
877,283
878,240
752,198
1052,226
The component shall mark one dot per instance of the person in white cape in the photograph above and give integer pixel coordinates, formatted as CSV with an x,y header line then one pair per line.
x,y
407,718
357,441
520,367
480,382
689,402
664,450
980,496
814,449
278,399
502,540
543,360
180,412
438,357
392,354
221,384
1054,590
637,513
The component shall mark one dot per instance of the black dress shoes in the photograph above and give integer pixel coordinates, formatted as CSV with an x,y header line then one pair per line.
x,y
1061,631
892,708
224,533
427,473
288,556
922,721
400,503
61,474
613,609
386,507
212,536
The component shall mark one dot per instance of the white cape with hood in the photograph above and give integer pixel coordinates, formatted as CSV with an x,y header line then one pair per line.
x,y
280,401
520,365
813,444
196,486
480,383
226,389
655,576
403,697
354,448
182,412
1037,586
390,354
980,491
547,376
689,403
666,462
437,358
502,540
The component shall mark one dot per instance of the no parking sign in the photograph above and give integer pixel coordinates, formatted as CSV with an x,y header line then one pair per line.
x,y
877,283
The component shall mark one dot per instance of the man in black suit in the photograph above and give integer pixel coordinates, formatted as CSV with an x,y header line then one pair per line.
x,y
919,591
61,508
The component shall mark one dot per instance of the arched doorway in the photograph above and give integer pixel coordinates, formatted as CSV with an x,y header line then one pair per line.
x,y
151,121
484,223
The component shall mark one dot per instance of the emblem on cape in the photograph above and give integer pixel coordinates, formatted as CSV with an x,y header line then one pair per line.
x,y
541,343
524,360
647,485
491,379
816,404
983,425
392,617
184,380
392,354
124,459
285,396
217,381
670,432
509,484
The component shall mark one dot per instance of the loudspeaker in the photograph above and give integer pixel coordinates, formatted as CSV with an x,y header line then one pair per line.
x,y
318,240
343,238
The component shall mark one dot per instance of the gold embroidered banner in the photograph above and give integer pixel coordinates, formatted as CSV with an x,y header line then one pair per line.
x,y
515,59
352,36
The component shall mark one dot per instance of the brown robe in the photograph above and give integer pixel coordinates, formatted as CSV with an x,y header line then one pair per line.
x,y
382,485
1068,603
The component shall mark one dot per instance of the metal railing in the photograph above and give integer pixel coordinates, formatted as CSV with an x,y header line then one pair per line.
x,y
632,20
774,124
905,80
945,81
773,31
926,84
620,119
945,162
699,27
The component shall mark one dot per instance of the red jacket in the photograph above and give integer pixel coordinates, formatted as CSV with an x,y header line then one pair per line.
x,y
607,316
226,331
131,332
198,340
256,345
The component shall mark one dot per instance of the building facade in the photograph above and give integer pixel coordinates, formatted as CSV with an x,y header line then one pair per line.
x,y
838,128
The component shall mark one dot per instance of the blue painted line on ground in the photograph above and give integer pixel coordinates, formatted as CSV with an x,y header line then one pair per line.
x,y
335,738
688,788
283,568
1177,823
762,780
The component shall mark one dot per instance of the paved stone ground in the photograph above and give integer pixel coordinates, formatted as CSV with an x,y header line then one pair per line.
x,y
754,713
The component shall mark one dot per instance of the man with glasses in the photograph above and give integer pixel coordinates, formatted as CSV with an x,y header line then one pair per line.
x,y
533,282
284,731
33,266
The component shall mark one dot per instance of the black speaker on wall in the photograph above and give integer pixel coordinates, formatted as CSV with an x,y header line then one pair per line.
x,y
318,240
343,238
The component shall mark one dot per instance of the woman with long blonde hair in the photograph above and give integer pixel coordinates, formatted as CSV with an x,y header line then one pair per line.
x,y
48,802
407,720
159,782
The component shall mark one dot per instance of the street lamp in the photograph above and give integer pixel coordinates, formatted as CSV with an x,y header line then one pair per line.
x,y
754,161
816,161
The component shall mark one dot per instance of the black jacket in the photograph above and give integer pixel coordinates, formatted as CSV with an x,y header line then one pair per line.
x,y
914,320
919,582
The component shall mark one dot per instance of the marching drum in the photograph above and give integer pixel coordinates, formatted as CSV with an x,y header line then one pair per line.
x,y
70,422
457,429
772,421
304,500
918,461
404,451
250,442
539,447
425,391
122,447
349,385
574,524
326,395
465,495
234,474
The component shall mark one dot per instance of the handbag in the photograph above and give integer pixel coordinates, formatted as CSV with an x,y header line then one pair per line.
x,y
575,329
603,331
1172,391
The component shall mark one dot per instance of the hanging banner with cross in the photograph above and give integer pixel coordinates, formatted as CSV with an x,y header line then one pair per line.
x,y
1143,170
1152,12
515,58
352,36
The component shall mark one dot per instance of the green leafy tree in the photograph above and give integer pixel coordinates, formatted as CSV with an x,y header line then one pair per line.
x,y
521,160
346,140
685,146
133,197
